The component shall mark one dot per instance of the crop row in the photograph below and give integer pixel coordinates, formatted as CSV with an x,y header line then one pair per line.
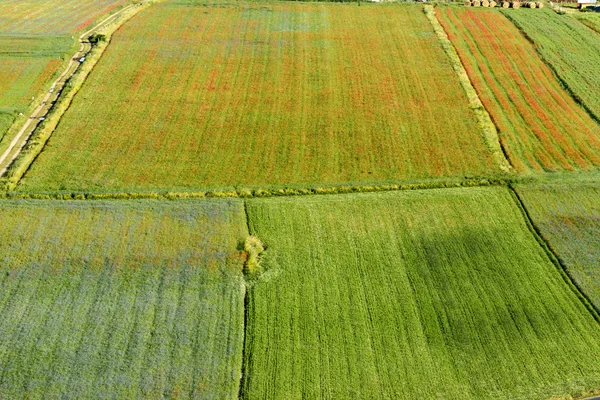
x,y
104,299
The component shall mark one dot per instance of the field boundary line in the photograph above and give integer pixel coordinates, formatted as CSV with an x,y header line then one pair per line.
x,y
484,120
32,144
246,301
261,193
562,82
553,255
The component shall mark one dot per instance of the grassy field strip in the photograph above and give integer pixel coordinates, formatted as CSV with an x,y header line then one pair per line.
x,y
571,49
568,217
263,95
541,127
268,192
14,161
483,117
126,300
425,294
52,17
591,20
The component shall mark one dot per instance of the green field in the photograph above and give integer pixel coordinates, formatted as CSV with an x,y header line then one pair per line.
x,y
592,20
568,215
27,64
540,125
193,221
120,299
414,295
36,37
571,49
253,95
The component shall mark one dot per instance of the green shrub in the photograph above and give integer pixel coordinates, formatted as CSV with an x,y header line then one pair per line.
x,y
253,248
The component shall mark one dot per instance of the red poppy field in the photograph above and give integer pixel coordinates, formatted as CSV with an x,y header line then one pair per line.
x,y
540,126
265,94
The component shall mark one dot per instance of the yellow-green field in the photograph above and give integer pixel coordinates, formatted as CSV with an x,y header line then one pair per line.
x,y
51,17
254,268
27,64
246,94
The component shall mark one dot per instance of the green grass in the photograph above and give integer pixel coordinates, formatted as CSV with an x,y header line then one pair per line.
x,y
567,214
414,295
120,299
36,37
590,19
253,95
571,49
6,120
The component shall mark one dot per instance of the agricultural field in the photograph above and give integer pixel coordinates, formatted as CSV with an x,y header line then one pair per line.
x,y
540,125
249,95
52,17
411,295
571,49
121,299
27,64
568,216
36,37
592,20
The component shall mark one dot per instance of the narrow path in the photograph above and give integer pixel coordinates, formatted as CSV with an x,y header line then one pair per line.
x,y
19,141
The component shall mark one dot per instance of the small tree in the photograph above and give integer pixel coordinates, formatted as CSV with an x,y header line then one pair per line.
x,y
97,38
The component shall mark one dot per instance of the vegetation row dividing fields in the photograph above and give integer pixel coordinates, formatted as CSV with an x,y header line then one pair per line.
x,y
121,299
425,294
249,95
567,215
569,47
540,125
51,17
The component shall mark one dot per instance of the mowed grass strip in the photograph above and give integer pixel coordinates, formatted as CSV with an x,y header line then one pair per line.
x,y
540,125
571,49
427,294
120,300
251,94
568,216
51,16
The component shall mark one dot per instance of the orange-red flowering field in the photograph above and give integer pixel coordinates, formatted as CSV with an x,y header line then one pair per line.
x,y
195,96
540,124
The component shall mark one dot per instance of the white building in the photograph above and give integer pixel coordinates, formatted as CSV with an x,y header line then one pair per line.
x,y
585,3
